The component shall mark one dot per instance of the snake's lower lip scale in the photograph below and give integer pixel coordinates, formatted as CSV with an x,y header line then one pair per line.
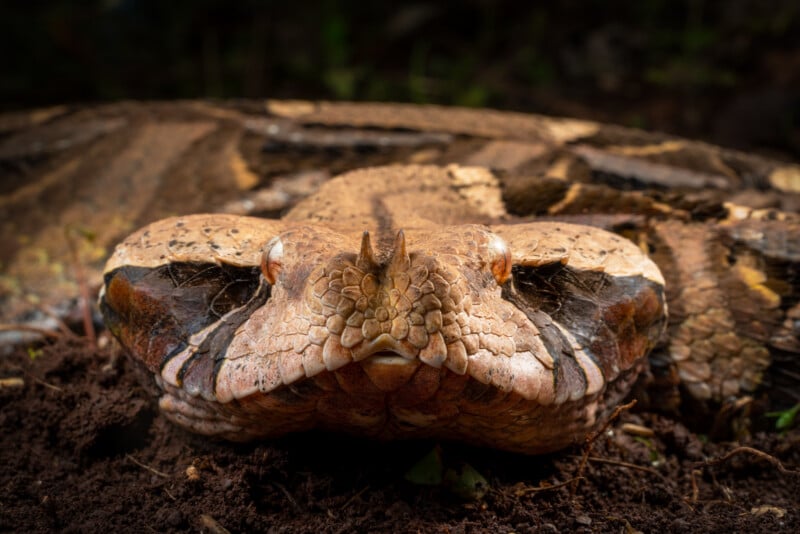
x,y
389,371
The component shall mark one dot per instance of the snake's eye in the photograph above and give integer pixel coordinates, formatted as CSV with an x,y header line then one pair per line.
x,y
271,260
500,259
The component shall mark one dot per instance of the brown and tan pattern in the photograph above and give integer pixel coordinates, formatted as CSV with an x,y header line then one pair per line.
x,y
518,336
721,225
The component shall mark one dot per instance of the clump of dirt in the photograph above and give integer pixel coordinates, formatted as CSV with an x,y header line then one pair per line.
x,y
84,449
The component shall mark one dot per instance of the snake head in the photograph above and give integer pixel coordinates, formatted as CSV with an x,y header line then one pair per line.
x,y
258,328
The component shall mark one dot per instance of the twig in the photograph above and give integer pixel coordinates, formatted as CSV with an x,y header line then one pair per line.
x,y
354,497
619,463
44,332
11,382
755,452
83,288
288,495
62,326
727,456
17,382
590,439
695,487
144,466
212,525
537,489
43,383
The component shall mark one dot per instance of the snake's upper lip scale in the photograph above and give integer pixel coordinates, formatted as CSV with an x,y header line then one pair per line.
x,y
385,343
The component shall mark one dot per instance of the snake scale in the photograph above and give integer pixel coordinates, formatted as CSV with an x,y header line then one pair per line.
x,y
483,276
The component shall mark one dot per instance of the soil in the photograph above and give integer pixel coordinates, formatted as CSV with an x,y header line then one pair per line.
x,y
84,450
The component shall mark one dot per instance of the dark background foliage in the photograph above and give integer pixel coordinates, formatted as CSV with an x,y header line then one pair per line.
x,y
726,71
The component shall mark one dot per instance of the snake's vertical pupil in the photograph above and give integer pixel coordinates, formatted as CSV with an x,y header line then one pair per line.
x,y
271,260
500,259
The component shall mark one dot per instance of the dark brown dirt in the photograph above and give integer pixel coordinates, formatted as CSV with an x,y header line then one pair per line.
x,y
84,450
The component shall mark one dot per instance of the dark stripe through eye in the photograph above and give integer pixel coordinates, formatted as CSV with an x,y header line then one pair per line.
x,y
154,311
611,317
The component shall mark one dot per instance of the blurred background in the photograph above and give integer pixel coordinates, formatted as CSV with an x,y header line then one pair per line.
x,y
724,71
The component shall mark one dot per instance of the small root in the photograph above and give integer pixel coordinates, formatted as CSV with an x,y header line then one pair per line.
x,y
754,452
590,440
288,495
212,525
45,384
44,332
695,496
620,463
83,288
537,489
354,497
145,466
695,488
62,326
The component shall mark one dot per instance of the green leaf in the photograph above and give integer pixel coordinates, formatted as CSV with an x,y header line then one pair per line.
x,y
34,353
784,420
467,483
428,471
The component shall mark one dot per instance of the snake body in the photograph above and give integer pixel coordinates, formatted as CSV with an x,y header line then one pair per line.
x,y
396,302
236,345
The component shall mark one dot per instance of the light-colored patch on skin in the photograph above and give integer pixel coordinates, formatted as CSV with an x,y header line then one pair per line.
x,y
484,123
229,239
647,150
289,108
786,178
594,376
375,198
506,155
658,174
480,189
245,178
582,247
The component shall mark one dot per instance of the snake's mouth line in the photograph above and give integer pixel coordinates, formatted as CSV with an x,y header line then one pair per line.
x,y
388,357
